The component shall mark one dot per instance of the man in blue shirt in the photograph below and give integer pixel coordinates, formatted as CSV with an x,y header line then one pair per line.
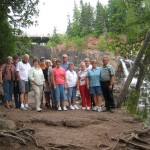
x,y
64,63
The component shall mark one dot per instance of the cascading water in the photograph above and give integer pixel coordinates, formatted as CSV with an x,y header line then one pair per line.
x,y
144,100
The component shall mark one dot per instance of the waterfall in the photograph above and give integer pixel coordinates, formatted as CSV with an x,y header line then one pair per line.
x,y
125,70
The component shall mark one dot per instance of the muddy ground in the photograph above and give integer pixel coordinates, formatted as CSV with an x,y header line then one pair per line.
x,y
80,129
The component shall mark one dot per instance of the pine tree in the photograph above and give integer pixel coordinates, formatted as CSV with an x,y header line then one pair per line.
x,y
101,20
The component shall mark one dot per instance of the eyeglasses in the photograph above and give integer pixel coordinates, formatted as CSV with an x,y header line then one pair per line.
x,y
104,60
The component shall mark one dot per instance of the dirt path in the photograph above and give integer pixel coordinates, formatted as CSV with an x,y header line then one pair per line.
x,y
77,127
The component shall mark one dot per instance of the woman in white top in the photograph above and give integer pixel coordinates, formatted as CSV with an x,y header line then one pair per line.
x,y
37,81
72,86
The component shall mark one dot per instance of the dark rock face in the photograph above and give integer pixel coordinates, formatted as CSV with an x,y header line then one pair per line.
x,y
73,55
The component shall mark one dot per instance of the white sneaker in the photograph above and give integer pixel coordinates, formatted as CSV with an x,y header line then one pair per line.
x,y
64,108
23,108
88,108
99,109
38,109
76,107
83,108
94,108
59,109
72,107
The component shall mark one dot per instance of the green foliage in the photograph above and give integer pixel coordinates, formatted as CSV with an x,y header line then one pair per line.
x,y
22,45
79,43
55,38
116,16
15,14
7,41
102,45
100,23
19,12
131,105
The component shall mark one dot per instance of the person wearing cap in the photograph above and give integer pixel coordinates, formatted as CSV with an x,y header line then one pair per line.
x,y
60,84
8,76
65,62
22,70
37,81
93,84
47,88
72,77
16,84
53,96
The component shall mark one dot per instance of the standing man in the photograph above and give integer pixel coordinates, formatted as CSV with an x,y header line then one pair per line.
x,y
107,82
22,69
65,62
16,84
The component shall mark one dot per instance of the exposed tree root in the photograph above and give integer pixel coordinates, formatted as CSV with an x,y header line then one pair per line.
x,y
23,136
129,137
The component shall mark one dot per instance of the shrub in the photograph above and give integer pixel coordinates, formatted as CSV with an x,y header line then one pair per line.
x,y
102,45
79,43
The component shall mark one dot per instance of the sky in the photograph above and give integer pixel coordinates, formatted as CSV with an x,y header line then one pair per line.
x,y
53,13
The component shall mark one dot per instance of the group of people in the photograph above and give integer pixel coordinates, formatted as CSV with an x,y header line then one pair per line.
x,y
58,81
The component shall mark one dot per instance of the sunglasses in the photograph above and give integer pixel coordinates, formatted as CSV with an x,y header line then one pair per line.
x,y
104,60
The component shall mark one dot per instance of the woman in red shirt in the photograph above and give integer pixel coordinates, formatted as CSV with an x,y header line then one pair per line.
x,y
60,84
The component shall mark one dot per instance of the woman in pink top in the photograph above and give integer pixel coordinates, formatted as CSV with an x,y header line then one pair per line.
x,y
59,81
82,86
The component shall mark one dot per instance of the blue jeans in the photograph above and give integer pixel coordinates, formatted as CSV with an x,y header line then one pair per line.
x,y
8,89
72,93
53,97
60,92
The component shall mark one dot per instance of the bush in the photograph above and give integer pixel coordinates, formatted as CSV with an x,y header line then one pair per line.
x,y
79,43
102,45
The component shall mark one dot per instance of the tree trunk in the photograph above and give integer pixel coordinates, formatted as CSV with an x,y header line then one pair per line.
x,y
143,70
122,95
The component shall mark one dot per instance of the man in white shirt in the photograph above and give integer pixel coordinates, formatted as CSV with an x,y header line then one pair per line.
x,y
22,69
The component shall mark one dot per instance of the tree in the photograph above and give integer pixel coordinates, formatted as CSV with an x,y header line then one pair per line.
x,y
116,16
7,40
122,95
14,14
86,20
100,20
20,13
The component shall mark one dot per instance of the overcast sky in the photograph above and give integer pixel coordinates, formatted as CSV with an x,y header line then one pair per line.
x,y
54,13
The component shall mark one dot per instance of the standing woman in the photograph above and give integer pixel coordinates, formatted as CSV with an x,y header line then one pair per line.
x,y
37,81
8,76
93,84
72,86
53,95
82,86
47,85
59,81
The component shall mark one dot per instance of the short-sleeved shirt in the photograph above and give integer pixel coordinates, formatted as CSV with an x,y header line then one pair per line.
x,y
65,66
59,75
71,78
23,69
82,77
94,76
106,73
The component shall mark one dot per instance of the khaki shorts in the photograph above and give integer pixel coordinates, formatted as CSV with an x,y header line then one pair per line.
x,y
1,89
